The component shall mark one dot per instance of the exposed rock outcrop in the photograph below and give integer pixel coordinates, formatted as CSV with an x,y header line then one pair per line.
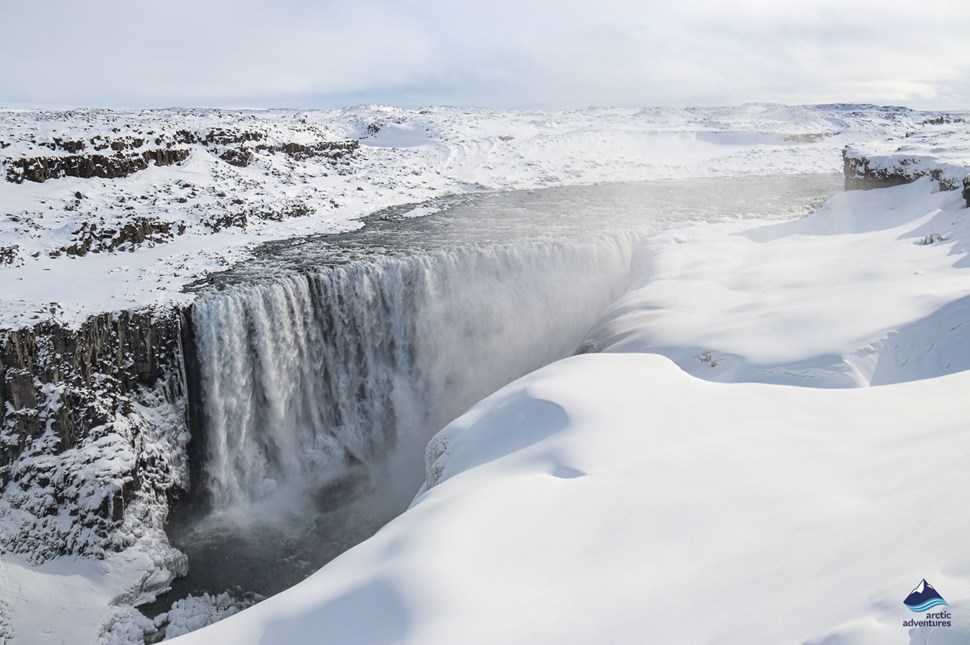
x,y
861,173
243,155
8,254
331,149
244,216
89,238
93,437
40,169
240,157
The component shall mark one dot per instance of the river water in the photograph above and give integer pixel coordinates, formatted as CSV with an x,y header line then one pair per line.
x,y
321,368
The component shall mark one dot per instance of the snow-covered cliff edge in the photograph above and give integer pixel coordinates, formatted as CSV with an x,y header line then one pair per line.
x,y
107,216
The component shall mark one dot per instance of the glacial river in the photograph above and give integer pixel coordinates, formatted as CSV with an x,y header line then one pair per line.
x,y
319,370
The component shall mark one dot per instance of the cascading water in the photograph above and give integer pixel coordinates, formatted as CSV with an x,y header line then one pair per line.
x,y
324,366
320,373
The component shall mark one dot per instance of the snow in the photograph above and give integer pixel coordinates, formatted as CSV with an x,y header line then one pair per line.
x,y
940,145
195,612
617,497
840,299
723,470
405,156
76,600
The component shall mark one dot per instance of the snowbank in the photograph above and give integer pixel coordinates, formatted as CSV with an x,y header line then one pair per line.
x,y
124,238
871,289
642,525
615,497
86,600
939,148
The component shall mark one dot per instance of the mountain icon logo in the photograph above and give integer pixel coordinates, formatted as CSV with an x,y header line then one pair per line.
x,y
924,597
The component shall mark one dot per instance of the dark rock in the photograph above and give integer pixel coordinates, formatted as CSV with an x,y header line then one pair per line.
x,y
227,219
90,238
186,136
943,120
69,400
70,146
240,157
860,175
223,137
40,169
241,218
8,254
329,149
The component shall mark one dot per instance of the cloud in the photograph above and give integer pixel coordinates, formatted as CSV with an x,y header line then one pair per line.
x,y
502,53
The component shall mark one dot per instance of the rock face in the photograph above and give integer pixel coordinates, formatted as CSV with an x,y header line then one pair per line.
x,y
93,437
861,173
235,147
40,169
93,239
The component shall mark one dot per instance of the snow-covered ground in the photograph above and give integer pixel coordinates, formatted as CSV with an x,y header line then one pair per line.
x,y
635,496
939,148
678,487
65,250
871,289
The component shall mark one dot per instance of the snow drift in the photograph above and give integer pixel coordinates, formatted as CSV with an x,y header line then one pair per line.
x,y
615,497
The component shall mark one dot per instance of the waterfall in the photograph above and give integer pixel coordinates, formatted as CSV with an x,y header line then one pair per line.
x,y
318,371
355,366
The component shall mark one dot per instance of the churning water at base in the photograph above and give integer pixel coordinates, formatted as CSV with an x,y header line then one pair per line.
x,y
325,365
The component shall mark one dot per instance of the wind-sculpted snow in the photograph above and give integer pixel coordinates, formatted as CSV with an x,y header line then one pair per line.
x,y
876,304
615,497
468,293
326,381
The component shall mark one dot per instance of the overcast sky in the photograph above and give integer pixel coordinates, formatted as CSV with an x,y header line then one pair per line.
x,y
501,53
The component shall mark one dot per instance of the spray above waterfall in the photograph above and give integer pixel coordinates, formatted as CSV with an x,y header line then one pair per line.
x,y
325,365
318,374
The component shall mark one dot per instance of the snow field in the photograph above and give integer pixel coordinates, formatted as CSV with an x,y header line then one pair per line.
x,y
616,497
605,498
405,156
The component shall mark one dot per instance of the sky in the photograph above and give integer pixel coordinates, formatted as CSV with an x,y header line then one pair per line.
x,y
497,53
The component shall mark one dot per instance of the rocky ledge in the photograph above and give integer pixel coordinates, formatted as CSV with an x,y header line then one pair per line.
x,y
940,149
93,435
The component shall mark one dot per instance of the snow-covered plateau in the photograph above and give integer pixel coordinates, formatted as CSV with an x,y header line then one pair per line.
x,y
759,437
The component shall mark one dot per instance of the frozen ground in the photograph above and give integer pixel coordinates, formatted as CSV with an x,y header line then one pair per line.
x,y
614,497
633,496
871,289
940,147
65,250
